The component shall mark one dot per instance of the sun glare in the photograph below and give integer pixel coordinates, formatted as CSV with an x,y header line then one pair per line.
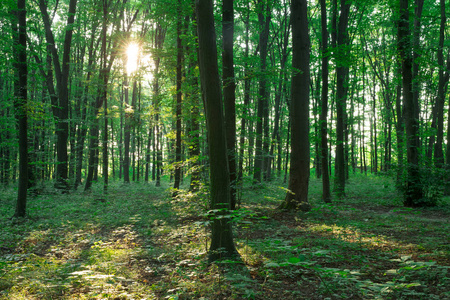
x,y
132,57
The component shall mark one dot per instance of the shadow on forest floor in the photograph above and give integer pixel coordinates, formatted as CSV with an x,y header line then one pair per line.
x,y
137,243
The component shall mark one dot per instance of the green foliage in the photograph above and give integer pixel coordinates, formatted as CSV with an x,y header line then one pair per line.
x,y
432,183
150,245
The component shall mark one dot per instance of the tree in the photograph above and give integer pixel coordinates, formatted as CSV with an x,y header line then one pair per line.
x,y
100,100
229,97
326,196
413,188
297,195
60,108
20,34
222,244
264,17
440,99
341,96
177,176
160,35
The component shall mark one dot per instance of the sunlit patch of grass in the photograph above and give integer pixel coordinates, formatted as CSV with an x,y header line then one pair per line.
x,y
250,255
350,234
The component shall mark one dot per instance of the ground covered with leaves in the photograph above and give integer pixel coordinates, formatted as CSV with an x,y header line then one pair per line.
x,y
138,243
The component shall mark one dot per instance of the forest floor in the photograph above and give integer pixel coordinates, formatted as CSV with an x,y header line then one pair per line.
x,y
138,243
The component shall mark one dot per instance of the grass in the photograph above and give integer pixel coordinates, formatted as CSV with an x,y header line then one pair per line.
x,y
138,243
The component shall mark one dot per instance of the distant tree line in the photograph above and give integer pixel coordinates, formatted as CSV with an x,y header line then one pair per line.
x,y
327,88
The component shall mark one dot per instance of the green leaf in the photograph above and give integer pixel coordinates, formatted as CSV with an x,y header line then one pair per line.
x,y
294,260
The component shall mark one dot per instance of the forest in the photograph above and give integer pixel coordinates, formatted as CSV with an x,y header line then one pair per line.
x,y
201,149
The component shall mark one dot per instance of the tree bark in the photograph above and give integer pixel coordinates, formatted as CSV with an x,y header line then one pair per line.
x,y
177,175
229,96
440,101
21,93
247,82
341,97
264,20
297,195
413,189
326,195
222,244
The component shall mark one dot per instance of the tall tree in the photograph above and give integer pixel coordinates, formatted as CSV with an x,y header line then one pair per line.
x,y
160,35
341,95
61,108
264,17
440,99
229,96
413,189
247,82
21,91
177,175
297,195
222,244
326,195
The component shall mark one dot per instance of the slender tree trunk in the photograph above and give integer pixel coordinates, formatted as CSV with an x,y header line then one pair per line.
x,y
374,130
126,133
341,97
21,93
440,101
288,141
177,174
326,195
194,98
247,82
148,153
264,21
104,75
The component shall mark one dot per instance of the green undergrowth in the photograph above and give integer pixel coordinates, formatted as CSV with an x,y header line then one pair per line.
x,y
137,242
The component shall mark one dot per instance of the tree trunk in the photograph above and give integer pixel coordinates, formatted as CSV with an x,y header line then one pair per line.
x,y
222,244
326,195
21,93
341,97
62,78
177,173
440,101
126,133
264,21
247,83
160,35
297,195
229,96
413,189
